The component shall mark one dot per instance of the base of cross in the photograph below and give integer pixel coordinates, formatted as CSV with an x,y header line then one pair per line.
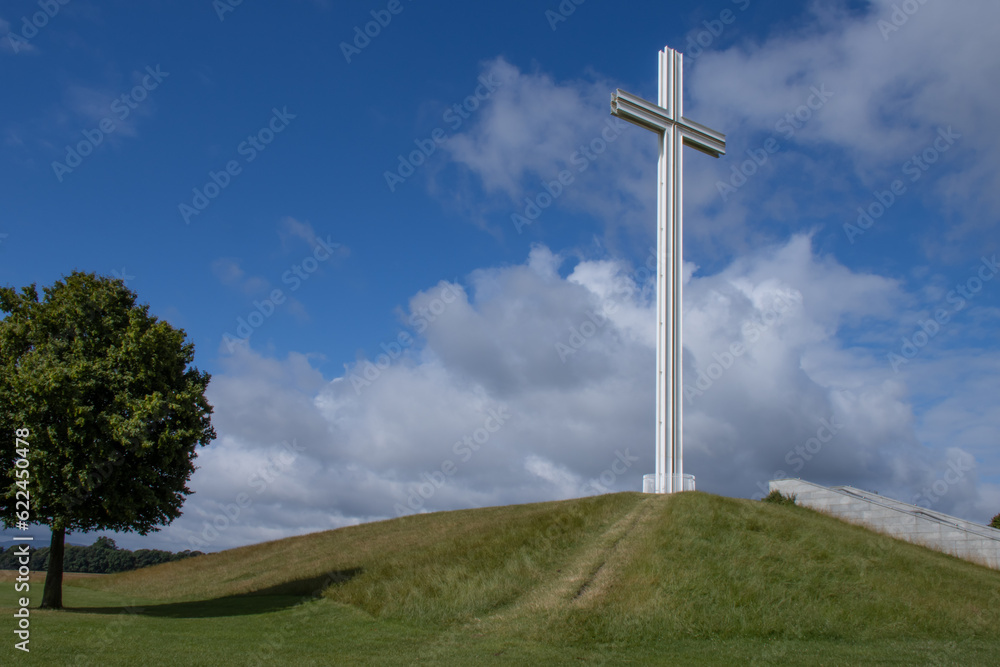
x,y
681,483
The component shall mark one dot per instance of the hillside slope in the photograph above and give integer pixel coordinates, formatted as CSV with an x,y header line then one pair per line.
x,y
623,569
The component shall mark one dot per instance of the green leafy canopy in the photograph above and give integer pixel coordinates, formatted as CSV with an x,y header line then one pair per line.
x,y
114,409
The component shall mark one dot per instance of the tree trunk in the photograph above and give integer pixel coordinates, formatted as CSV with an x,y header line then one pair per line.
x,y
52,595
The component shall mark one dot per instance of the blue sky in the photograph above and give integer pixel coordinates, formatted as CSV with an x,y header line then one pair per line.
x,y
338,223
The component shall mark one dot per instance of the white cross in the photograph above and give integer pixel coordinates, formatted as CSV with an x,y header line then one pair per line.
x,y
667,120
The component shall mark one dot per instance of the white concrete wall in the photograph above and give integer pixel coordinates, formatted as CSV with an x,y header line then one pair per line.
x,y
964,539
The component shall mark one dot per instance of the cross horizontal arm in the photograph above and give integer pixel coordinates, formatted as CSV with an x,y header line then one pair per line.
x,y
704,139
653,117
637,110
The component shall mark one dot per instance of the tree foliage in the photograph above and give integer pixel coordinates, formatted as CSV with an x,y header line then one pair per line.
x,y
995,522
101,557
114,410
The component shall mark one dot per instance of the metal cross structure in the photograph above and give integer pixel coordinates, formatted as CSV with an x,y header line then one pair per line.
x,y
675,131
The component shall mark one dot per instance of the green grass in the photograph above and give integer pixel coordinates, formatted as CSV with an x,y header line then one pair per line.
x,y
618,579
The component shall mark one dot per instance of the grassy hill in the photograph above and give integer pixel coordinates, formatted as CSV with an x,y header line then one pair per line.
x,y
687,579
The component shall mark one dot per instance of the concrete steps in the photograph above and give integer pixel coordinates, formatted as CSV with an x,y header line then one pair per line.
x,y
934,530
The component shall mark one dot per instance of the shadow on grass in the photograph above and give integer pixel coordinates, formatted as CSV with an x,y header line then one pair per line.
x,y
263,601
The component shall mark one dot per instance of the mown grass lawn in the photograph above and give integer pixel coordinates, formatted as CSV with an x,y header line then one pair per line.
x,y
620,579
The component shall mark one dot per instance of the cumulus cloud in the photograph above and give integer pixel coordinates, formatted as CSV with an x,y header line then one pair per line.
x,y
535,130
524,386
879,97
528,382
896,79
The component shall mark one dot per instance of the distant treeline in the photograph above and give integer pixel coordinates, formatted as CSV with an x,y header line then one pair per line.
x,y
101,557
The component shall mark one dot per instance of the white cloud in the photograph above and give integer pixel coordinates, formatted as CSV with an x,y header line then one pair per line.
x,y
229,272
12,42
891,96
103,115
88,107
483,411
524,385
534,129
565,483
290,227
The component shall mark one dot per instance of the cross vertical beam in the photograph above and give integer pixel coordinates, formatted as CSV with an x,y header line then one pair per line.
x,y
666,118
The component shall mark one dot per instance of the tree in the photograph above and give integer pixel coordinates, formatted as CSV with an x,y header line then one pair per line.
x,y
112,410
100,557
995,522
